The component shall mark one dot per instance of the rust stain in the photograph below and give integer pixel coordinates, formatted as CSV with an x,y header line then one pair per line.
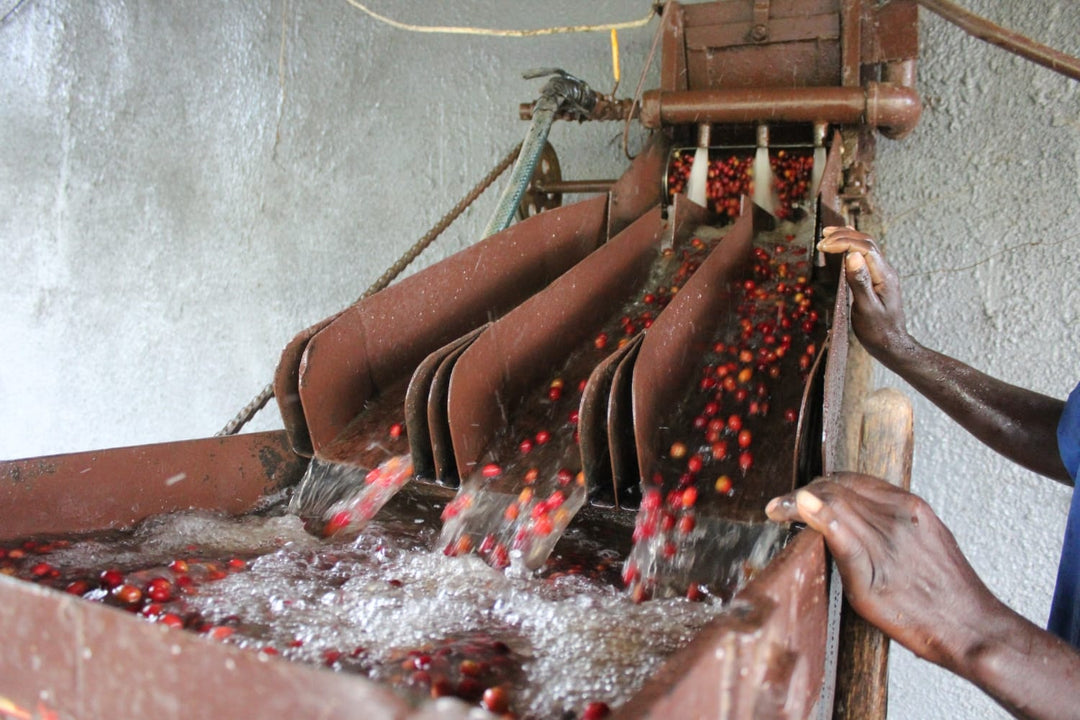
x,y
271,461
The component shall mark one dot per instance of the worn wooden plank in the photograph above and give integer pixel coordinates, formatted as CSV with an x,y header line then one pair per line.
x,y
885,450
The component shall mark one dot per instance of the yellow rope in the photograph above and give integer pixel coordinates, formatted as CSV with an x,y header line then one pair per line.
x,y
491,32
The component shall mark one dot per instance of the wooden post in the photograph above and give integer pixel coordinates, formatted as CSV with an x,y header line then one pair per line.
x,y
885,449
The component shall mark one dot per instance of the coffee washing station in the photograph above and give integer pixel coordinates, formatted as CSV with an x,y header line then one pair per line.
x,y
672,345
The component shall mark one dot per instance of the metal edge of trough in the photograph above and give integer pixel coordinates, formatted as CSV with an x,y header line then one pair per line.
x,y
64,657
118,487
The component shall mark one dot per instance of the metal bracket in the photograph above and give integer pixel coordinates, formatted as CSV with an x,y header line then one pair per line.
x,y
856,191
573,94
759,32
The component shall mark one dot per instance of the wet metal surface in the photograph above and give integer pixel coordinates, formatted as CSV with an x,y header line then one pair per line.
x,y
79,659
442,444
596,460
287,388
640,187
673,349
625,473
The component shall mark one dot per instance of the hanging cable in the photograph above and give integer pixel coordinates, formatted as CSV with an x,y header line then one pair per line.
x,y
641,82
492,32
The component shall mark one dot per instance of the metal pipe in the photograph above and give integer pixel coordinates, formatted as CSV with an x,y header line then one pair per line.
x,y
893,109
573,186
1014,42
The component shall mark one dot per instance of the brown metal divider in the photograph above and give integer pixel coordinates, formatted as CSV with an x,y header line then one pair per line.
x,y
376,343
686,216
679,338
625,471
287,388
332,373
594,422
426,434
640,187
503,364
442,447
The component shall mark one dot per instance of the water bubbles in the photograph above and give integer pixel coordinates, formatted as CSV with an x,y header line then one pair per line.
x,y
389,606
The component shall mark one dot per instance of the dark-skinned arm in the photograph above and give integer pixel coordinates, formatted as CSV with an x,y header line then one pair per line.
x,y
1018,423
904,573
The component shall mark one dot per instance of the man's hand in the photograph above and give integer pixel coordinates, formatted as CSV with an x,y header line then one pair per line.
x,y
902,568
877,311
1018,423
903,571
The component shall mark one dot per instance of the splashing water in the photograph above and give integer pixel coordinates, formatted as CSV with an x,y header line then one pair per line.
x,y
508,530
818,172
696,185
353,511
385,605
525,492
675,553
764,194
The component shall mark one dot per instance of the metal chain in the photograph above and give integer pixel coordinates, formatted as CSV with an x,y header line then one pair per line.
x,y
259,401
411,254
247,412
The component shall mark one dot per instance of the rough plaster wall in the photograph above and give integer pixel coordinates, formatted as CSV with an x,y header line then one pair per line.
x,y
189,184
981,206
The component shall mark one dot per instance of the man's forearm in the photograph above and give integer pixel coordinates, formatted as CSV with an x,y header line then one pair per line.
x,y
1018,423
1031,673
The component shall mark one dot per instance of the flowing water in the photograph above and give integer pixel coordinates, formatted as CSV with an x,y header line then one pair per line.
x,y
764,193
530,483
701,521
386,604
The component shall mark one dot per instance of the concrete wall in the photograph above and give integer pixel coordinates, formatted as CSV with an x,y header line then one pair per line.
x,y
982,213
187,185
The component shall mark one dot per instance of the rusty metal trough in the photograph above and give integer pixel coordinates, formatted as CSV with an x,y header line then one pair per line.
x,y
65,653
450,349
